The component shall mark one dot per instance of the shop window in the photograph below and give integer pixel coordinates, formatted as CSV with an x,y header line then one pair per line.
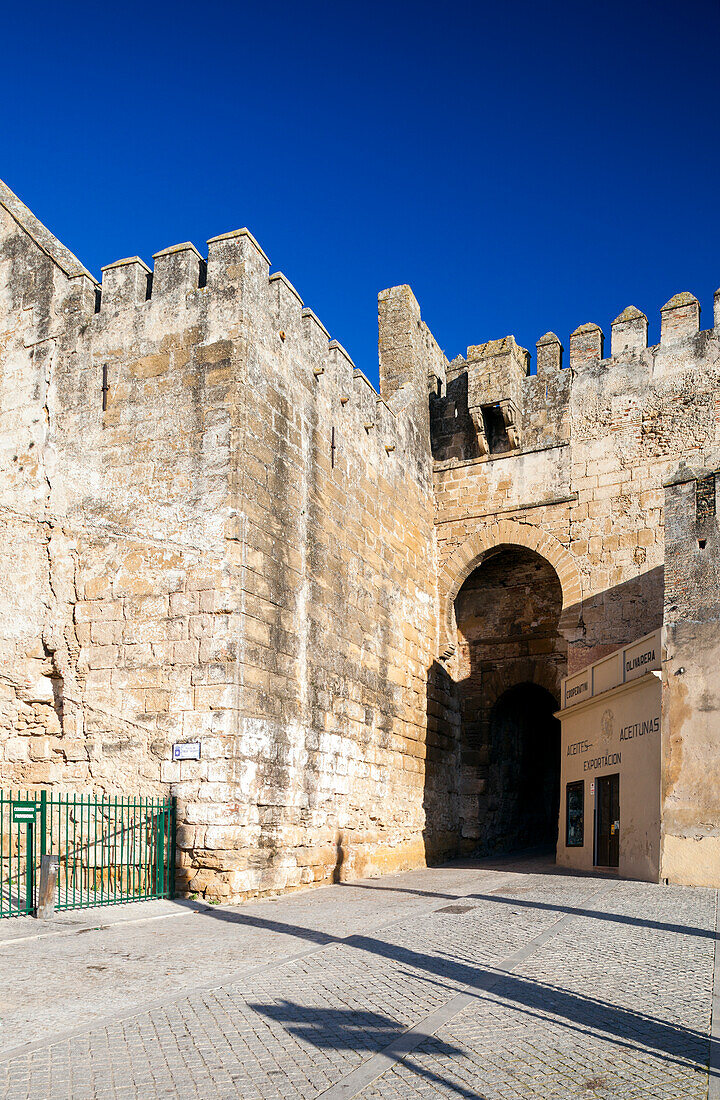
x,y
575,822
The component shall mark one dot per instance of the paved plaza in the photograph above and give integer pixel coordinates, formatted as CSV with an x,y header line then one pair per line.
x,y
495,980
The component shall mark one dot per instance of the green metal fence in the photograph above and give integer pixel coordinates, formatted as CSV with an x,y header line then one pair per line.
x,y
109,849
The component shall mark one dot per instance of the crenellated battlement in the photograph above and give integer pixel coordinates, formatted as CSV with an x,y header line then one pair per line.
x,y
182,364
229,290
286,304
125,284
629,331
486,404
494,381
137,309
177,270
219,532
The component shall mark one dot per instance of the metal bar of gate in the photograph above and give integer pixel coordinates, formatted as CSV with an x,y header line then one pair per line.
x,y
110,849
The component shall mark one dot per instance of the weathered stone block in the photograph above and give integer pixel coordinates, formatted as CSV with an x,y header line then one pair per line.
x,y
247,549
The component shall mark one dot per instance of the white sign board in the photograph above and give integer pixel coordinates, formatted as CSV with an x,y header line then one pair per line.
x,y
577,688
607,674
188,750
644,656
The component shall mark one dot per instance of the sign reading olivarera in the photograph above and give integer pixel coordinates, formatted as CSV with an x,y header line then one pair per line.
x,y
628,663
642,659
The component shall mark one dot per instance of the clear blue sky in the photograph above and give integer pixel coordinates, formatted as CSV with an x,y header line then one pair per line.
x,y
525,166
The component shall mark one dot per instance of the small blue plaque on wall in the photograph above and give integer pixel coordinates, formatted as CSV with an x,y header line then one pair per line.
x,y
188,750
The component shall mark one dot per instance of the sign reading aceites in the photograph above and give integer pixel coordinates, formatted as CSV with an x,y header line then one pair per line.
x,y
188,750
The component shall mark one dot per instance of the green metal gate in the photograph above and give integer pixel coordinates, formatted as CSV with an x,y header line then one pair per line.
x,y
109,850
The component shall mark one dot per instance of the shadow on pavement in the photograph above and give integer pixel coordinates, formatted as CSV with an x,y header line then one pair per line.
x,y
627,1028
369,1032
537,868
616,918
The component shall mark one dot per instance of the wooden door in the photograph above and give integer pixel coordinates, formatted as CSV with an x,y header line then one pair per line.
x,y
607,843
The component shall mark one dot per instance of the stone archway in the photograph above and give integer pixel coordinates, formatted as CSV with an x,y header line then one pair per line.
x,y
511,656
467,557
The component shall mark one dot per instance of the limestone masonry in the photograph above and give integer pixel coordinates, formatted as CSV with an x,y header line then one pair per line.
x,y
361,605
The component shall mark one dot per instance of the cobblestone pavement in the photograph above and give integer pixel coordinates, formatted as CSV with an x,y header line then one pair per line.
x,y
505,980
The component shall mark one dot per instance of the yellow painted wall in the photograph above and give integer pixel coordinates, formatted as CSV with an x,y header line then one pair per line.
x,y
616,731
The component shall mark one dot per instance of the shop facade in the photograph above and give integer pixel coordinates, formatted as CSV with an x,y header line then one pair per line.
x,y
610,768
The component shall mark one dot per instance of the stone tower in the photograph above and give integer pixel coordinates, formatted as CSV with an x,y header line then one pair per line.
x,y
215,530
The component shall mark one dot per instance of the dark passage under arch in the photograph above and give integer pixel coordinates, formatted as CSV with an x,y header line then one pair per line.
x,y
524,768
511,660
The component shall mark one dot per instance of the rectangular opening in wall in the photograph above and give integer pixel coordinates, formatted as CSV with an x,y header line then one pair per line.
x,y
607,820
705,506
575,815
495,430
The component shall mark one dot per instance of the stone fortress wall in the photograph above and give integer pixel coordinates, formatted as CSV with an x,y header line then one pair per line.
x,y
578,479
215,529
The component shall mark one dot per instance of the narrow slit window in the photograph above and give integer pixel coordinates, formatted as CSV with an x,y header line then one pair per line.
x,y
705,506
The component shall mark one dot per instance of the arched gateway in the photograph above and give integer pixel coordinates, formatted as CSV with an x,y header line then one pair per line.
x,y
471,553
514,594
